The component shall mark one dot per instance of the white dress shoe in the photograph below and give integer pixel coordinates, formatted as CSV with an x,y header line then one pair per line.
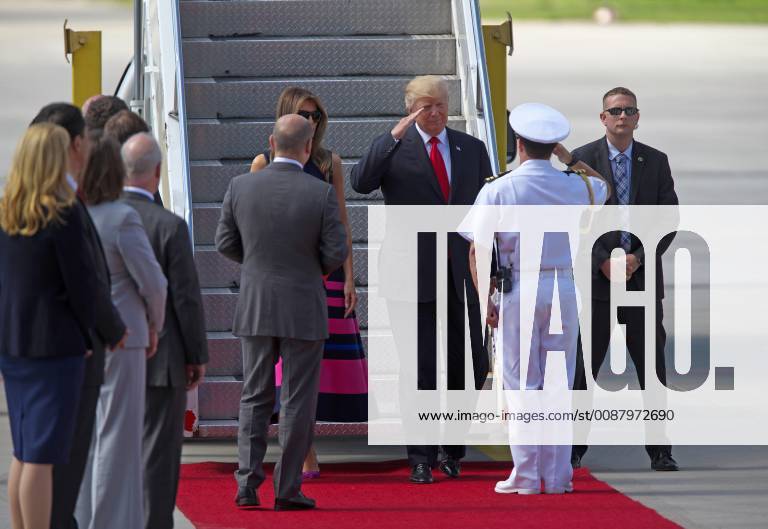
x,y
506,487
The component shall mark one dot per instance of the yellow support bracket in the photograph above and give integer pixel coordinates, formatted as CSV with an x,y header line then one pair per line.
x,y
85,49
498,40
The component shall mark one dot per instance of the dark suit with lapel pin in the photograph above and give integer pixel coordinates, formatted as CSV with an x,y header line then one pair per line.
x,y
651,184
405,175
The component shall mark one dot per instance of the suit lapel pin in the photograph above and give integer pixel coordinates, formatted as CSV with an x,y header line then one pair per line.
x,y
640,159
458,148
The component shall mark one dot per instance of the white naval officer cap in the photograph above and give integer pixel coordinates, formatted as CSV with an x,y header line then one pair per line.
x,y
540,123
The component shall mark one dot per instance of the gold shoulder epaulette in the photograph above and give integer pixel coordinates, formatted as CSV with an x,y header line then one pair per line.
x,y
495,177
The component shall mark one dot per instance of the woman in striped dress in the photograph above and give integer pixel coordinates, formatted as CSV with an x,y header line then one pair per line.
x,y
343,374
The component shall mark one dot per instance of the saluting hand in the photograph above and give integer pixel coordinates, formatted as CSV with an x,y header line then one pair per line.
x,y
562,154
404,124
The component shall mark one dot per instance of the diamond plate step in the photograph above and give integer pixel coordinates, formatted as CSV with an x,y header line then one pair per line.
x,y
219,397
212,139
210,179
344,96
320,56
324,17
205,218
219,305
216,271
226,360
227,429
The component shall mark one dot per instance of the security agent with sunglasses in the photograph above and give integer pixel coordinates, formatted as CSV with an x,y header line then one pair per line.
x,y
640,175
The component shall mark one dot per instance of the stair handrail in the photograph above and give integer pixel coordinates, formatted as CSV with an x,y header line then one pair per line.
x,y
165,102
473,72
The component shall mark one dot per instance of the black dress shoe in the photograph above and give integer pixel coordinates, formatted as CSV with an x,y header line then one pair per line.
x,y
664,462
297,503
450,467
247,497
575,461
421,473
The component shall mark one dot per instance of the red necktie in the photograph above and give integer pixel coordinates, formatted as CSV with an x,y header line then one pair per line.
x,y
439,166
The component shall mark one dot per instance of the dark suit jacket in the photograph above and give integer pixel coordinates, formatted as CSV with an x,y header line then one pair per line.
x,y
404,173
182,340
283,225
47,286
652,184
109,327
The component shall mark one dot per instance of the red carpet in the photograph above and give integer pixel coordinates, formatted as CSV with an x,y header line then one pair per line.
x,y
378,495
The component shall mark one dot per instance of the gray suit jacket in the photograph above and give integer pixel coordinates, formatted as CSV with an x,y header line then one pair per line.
x,y
138,283
183,339
109,328
283,225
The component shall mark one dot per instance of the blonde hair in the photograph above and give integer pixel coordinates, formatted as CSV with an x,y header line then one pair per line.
x,y
290,102
425,86
37,191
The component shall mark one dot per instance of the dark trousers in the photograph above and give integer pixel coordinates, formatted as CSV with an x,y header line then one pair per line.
x,y
634,320
427,357
68,477
163,439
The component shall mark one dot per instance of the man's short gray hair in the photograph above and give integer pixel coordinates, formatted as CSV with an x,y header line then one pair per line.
x,y
291,133
141,155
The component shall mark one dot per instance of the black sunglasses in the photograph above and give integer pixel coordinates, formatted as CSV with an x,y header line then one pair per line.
x,y
315,115
616,111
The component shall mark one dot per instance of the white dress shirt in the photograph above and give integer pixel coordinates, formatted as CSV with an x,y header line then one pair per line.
x,y
139,190
443,146
281,159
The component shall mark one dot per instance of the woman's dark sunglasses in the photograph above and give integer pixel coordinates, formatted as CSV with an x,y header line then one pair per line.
x,y
616,111
315,115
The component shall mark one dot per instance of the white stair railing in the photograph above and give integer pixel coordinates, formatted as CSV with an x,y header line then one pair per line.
x,y
473,72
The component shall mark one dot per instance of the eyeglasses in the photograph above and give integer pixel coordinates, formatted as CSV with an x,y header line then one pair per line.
x,y
314,115
616,111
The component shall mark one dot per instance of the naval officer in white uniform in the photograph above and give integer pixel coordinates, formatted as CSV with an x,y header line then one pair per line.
x,y
539,129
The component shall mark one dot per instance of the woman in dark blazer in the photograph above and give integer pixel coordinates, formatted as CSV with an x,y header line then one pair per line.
x,y
46,309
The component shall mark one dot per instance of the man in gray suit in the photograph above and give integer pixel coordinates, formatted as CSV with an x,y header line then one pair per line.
x,y
182,351
283,225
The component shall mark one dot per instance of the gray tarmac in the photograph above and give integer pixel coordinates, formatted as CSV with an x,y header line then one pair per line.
x,y
702,94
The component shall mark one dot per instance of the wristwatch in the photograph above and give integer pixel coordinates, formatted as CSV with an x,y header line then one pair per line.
x,y
573,161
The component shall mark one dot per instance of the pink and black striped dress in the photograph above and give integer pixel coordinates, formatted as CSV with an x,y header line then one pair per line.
x,y
343,393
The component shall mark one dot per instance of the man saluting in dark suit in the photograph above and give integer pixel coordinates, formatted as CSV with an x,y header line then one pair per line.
x,y
422,162
641,176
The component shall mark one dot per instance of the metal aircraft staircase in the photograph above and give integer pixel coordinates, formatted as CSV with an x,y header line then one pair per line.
x,y
212,74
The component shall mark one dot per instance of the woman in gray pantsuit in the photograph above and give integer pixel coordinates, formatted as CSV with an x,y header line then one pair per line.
x,y
111,493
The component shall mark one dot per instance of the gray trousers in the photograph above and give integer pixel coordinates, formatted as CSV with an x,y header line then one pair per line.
x,y
111,495
298,405
163,438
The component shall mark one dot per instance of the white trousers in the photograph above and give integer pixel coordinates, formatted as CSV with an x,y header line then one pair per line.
x,y
554,329
111,493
